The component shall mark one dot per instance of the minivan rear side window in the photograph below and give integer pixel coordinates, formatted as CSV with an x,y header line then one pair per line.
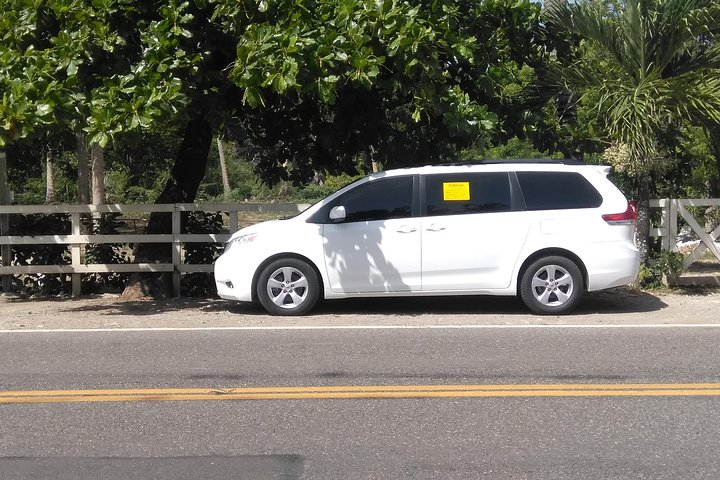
x,y
557,191
466,193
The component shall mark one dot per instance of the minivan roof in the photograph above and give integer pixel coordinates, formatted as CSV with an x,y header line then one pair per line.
x,y
544,161
497,166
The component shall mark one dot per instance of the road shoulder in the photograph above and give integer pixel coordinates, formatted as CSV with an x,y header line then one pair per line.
x,y
621,307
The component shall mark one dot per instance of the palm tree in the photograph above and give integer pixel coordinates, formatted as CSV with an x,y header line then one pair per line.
x,y
660,65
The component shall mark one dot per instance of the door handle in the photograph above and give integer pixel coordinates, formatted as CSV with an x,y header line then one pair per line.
x,y
406,229
435,228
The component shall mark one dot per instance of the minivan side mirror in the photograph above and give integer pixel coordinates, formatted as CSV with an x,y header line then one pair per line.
x,y
337,214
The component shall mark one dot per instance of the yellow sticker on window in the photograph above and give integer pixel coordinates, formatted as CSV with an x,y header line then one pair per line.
x,y
456,191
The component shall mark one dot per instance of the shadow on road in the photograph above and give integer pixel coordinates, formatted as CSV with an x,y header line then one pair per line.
x,y
178,468
614,301
610,301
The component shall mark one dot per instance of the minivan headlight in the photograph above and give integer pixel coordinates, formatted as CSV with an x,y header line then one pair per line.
x,y
241,240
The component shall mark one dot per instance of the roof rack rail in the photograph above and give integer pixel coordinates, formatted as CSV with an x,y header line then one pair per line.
x,y
494,161
558,161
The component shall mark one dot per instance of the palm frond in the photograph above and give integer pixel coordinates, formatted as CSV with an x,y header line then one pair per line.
x,y
632,115
658,64
587,21
696,95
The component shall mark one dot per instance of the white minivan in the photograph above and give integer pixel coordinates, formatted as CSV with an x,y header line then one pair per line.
x,y
544,230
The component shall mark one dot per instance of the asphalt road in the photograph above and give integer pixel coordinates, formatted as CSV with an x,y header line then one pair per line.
x,y
534,436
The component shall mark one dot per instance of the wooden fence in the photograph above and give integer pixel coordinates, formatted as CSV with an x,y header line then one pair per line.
x,y
77,241
677,209
673,210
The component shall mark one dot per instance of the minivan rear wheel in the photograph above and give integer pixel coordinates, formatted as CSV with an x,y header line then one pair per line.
x,y
552,285
288,286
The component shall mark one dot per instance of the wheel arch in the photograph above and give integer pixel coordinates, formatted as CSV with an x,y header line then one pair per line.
x,y
278,256
548,252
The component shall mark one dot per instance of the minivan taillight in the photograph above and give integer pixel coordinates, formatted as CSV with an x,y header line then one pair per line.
x,y
624,218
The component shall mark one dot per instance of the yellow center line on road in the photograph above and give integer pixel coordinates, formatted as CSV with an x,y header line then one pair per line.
x,y
363,391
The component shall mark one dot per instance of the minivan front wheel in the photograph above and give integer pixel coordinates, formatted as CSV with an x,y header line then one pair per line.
x,y
288,286
552,285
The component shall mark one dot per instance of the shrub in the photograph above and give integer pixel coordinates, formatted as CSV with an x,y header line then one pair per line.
x,y
663,268
35,225
200,284
107,224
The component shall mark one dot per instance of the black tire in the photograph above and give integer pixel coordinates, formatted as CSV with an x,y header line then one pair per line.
x,y
288,286
552,285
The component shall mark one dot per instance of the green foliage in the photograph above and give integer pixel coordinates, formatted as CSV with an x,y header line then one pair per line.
x,y
34,225
698,165
400,81
288,47
336,182
315,192
103,67
247,185
515,148
107,224
314,84
643,66
139,166
244,182
662,269
200,284
32,192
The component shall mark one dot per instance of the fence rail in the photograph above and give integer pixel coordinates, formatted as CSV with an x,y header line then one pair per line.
x,y
77,241
673,210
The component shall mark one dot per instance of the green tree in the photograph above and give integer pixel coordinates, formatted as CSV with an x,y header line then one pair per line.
x,y
653,64
327,80
312,85
106,67
99,69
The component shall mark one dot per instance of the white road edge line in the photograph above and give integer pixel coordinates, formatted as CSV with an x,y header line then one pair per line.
x,y
356,327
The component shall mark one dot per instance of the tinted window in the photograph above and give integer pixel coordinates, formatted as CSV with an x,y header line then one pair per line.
x,y
557,190
457,194
378,200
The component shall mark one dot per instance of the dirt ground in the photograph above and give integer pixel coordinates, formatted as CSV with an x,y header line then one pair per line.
x,y
619,306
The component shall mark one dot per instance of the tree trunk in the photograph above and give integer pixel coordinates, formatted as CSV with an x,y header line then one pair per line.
x,y
223,170
642,233
373,163
50,193
5,250
97,157
83,169
181,187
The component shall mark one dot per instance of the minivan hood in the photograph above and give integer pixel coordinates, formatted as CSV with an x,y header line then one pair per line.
x,y
258,228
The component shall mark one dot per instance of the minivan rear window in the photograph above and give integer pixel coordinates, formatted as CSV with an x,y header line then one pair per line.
x,y
557,191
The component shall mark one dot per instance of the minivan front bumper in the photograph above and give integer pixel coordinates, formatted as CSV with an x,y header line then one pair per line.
x,y
233,276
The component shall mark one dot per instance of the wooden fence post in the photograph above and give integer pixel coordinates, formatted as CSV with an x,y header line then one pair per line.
x,y
672,237
664,230
5,250
668,223
75,255
176,250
